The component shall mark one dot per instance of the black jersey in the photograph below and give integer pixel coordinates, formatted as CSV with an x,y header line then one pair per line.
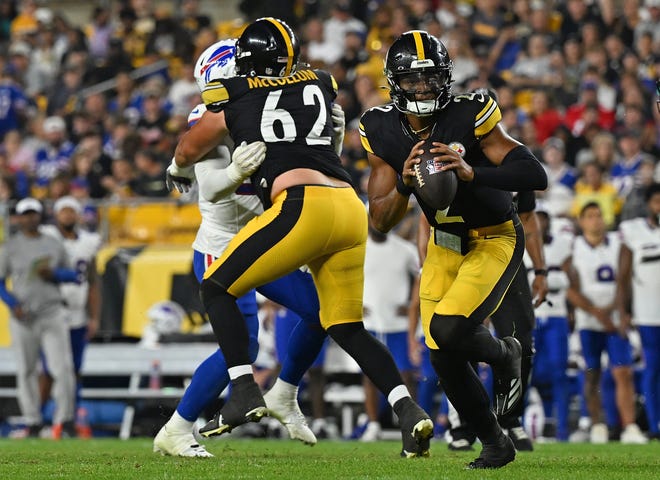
x,y
385,132
291,114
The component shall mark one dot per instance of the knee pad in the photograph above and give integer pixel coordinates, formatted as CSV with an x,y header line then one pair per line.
x,y
449,330
209,290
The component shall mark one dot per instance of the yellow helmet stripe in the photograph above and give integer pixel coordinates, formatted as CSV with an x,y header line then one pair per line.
x,y
419,45
287,41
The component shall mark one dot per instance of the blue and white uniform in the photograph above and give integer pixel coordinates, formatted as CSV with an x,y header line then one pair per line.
x,y
597,267
549,374
643,240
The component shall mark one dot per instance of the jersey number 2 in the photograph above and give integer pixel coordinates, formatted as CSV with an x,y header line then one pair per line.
x,y
312,95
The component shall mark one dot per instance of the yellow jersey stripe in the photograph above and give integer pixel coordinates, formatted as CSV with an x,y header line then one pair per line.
x,y
363,139
335,87
215,93
488,106
419,45
488,120
289,45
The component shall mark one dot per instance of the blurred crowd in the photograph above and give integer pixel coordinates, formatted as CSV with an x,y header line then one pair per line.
x,y
94,110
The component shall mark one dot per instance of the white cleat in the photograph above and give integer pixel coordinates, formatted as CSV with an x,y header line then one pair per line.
x,y
599,434
632,435
178,444
291,416
371,433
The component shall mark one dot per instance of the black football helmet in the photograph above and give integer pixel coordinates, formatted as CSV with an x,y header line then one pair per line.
x,y
268,47
417,58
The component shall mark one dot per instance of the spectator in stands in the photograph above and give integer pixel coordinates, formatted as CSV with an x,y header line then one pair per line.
x,y
120,183
63,97
191,19
55,156
635,205
153,121
25,22
558,198
44,63
14,100
35,263
593,187
533,67
624,171
544,114
150,181
341,22
98,32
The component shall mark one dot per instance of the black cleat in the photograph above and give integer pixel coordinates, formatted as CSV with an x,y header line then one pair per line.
x,y
416,429
245,404
495,455
507,378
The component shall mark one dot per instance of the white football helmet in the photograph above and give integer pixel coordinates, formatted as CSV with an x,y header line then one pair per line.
x,y
217,61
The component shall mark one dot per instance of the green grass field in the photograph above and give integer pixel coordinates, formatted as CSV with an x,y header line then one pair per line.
x,y
256,459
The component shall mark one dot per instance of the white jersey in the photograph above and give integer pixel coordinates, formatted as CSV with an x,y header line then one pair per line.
x,y
81,251
389,267
644,242
556,252
596,268
222,220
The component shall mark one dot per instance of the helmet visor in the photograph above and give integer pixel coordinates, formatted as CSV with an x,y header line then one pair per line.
x,y
417,83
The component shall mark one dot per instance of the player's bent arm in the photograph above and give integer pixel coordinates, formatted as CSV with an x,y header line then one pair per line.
x,y
534,247
574,293
518,168
203,136
387,206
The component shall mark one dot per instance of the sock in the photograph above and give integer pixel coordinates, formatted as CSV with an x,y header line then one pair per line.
x,y
373,358
229,326
284,389
179,424
239,371
397,393
207,383
305,343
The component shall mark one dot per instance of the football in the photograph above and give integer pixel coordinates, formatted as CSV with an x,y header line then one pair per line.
x,y
434,187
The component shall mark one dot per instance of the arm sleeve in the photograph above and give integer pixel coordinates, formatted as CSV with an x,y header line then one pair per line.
x,y
6,296
65,275
520,171
214,183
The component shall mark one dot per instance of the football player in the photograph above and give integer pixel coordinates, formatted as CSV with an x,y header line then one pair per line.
x,y
476,245
312,217
82,299
639,282
592,291
227,201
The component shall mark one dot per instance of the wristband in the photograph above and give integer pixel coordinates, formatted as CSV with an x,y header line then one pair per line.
x,y
541,271
402,188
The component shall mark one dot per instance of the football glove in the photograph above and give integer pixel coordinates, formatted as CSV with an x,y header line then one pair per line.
x,y
245,160
338,126
179,178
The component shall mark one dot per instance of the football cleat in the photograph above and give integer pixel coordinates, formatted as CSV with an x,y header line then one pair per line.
x,y
64,430
416,428
460,445
245,404
632,435
495,455
178,444
288,410
599,434
371,433
507,378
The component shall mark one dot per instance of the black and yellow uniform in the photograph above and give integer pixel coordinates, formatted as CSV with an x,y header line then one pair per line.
x,y
291,114
476,245
319,226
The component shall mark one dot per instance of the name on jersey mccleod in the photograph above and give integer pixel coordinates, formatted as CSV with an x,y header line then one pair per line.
x,y
301,76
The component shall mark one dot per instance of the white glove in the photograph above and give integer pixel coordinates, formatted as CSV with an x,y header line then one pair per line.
x,y
180,178
338,125
245,160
